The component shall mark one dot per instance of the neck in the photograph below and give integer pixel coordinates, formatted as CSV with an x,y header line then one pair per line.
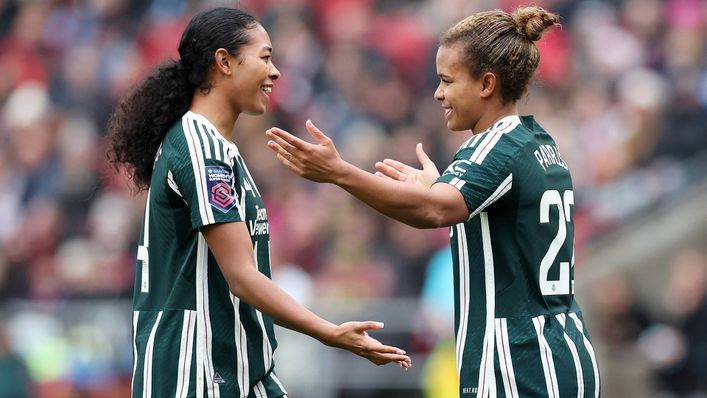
x,y
489,118
216,110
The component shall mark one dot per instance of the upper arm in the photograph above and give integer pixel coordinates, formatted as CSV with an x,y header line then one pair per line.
x,y
207,185
232,247
449,205
480,180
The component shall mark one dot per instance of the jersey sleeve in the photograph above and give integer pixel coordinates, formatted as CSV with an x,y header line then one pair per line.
x,y
207,185
481,173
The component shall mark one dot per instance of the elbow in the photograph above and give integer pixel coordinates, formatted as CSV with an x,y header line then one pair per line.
x,y
438,216
237,289
237,283
437,209
430,219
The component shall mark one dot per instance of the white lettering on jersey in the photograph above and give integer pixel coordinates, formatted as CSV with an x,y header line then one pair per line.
x,y
259,226
458,167
548,155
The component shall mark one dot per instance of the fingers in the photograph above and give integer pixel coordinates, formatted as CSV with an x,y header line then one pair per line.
x,y
281,152
372,349
422,156
381,175
282,142
385,170
317,134
289,164
284,157
361,327
281,135
395,169
386,349
374,345
404,365
382,359
400,166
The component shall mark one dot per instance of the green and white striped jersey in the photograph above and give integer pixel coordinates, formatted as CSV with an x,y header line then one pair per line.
x,y
192,336
519,331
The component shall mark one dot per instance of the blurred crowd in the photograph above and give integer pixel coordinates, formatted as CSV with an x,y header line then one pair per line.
x,y
622,87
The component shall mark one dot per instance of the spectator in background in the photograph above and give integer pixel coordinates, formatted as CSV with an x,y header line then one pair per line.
x,y
624,77
619,321
73,50
14,380
678,349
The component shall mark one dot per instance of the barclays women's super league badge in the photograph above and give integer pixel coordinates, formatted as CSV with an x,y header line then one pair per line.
x,y
219,182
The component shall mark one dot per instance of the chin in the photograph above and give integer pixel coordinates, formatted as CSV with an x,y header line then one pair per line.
x,y
255,112
454,127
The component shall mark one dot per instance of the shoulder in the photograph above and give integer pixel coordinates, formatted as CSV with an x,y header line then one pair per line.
x,y
501,140
194,139
528,137
522,132
175,139
514,134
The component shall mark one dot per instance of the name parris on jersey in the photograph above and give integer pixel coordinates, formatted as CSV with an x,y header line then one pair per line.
x,y
548,155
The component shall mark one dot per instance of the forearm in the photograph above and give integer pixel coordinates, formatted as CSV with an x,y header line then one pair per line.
x,y
231,245
263,294
417,205
411,204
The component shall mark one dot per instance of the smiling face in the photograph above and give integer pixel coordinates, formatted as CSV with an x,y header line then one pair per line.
x,y
253,74
459,93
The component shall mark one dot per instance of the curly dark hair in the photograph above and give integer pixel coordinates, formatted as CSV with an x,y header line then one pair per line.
x,y
141,120
503,43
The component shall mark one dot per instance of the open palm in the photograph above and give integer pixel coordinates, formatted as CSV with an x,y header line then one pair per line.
x,y
400,171
353,337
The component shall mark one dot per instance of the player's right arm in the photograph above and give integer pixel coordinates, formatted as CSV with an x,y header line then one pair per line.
x,y
231,245
420,205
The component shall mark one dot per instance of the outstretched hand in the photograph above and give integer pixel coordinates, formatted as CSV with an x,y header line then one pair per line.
x,y
353,336
319,162
396,170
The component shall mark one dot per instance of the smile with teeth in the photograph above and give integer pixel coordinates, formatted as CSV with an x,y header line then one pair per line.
x,y
266,89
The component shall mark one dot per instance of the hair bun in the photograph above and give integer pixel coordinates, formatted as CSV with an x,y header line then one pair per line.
x,y
532,21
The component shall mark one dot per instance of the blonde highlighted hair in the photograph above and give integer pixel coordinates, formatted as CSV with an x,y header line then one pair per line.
x,y
502,43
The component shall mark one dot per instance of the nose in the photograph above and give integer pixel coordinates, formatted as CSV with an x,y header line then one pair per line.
x,y
439,93
274,72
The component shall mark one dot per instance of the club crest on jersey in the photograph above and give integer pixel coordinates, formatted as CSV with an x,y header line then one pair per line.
x,y
219,182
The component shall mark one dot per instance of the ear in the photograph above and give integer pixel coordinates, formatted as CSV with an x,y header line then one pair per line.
x,y
223,61
488,84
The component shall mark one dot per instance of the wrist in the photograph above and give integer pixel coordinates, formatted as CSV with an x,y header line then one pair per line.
x,y
343,173
325,332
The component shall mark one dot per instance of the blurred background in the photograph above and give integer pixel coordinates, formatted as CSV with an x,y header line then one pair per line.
x,y
622,87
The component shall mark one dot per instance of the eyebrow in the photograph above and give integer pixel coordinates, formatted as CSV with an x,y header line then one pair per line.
x,y
442,75
267,48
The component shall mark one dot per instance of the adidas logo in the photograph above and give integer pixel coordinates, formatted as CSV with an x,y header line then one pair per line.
x,y
218,379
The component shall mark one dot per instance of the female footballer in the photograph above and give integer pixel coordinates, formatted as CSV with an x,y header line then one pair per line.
x,y
204,303
508,200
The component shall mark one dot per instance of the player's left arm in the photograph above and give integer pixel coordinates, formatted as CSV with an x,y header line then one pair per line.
x,y
231,246
420,205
